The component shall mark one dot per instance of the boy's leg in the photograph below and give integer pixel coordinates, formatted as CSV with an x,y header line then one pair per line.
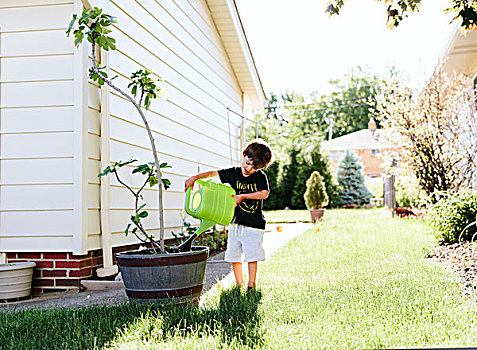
x,y
237,267
234,253
252,273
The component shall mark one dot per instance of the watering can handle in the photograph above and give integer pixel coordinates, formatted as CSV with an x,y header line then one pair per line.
x,y
187,202
187,199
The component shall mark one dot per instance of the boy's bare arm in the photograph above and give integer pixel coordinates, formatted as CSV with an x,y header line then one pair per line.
x,y
191,180
254,195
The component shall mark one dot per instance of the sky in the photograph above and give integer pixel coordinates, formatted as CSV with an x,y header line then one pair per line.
x,y
297,47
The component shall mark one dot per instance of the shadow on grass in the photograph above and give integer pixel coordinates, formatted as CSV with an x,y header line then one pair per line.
x,y
234,319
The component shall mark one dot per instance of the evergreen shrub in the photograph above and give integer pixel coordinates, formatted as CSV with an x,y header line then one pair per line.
x,y
276,199
299,169
287,180
451,215
315,195
352,189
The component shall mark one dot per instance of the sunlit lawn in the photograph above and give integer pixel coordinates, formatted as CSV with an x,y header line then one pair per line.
x,y
361,282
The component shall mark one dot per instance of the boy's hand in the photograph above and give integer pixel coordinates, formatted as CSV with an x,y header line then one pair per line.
x,y
190,183
238,198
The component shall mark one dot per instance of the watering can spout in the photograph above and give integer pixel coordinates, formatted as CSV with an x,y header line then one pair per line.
x,y
187,245
204,225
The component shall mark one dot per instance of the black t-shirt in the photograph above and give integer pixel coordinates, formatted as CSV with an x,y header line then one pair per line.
x,y
249,211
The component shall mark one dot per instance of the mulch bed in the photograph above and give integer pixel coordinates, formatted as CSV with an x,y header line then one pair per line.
x,y
461,258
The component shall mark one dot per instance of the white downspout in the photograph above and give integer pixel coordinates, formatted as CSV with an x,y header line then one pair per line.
x,y
108,268
3,256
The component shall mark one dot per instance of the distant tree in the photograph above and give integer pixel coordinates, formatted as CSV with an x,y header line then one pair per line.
x,y
353,101
349,106
290,176
311,159
290,123
276,199
465,10
436,130
352,189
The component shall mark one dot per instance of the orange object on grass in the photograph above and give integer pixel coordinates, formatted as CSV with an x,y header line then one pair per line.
x,y
279,228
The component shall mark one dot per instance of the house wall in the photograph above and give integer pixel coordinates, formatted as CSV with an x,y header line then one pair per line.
x,y
37,186
192,128
50,125
372,163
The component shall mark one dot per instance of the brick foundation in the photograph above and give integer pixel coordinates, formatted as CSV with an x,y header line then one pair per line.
x,y
55,272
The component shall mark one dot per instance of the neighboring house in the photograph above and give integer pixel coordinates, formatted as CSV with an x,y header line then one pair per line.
x,y
364,143
460,55
57,129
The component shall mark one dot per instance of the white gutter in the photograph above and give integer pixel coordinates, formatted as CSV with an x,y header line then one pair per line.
x,y
247,52
108,268
80,139
3,256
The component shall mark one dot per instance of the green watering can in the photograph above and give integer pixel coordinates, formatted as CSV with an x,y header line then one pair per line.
x,y
212,204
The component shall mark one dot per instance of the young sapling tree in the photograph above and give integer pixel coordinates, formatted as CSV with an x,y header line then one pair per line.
x,y
94,25
150,172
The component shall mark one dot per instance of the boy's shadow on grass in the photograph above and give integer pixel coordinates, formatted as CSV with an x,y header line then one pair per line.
x,y
235,319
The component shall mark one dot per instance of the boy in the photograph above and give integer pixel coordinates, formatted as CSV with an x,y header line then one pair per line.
x,y
248,225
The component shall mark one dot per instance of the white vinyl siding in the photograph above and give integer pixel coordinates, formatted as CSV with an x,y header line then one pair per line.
x,y
36,126
50,118
179,43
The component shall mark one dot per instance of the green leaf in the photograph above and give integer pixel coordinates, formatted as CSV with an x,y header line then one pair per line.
x,y
143,214
70,26
166,183
121,164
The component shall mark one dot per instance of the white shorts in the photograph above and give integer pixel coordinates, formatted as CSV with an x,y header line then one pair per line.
x,y
244,242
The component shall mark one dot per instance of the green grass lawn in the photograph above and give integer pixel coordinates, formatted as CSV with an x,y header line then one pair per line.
x,y
361,282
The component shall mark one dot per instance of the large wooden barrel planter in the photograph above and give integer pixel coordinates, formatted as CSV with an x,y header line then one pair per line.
x,y
156,277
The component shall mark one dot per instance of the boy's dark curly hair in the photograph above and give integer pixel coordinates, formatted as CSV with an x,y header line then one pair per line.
x,y
259,152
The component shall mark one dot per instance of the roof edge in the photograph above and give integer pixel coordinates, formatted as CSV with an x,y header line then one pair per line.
x,y
247,51
226,13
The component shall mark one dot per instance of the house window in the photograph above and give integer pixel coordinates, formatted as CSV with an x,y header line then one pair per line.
x,y
375,152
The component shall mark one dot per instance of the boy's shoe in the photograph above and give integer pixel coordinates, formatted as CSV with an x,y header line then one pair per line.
x,y
251,286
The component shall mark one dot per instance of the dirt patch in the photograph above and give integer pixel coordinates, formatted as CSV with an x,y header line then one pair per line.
x,y
462,258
